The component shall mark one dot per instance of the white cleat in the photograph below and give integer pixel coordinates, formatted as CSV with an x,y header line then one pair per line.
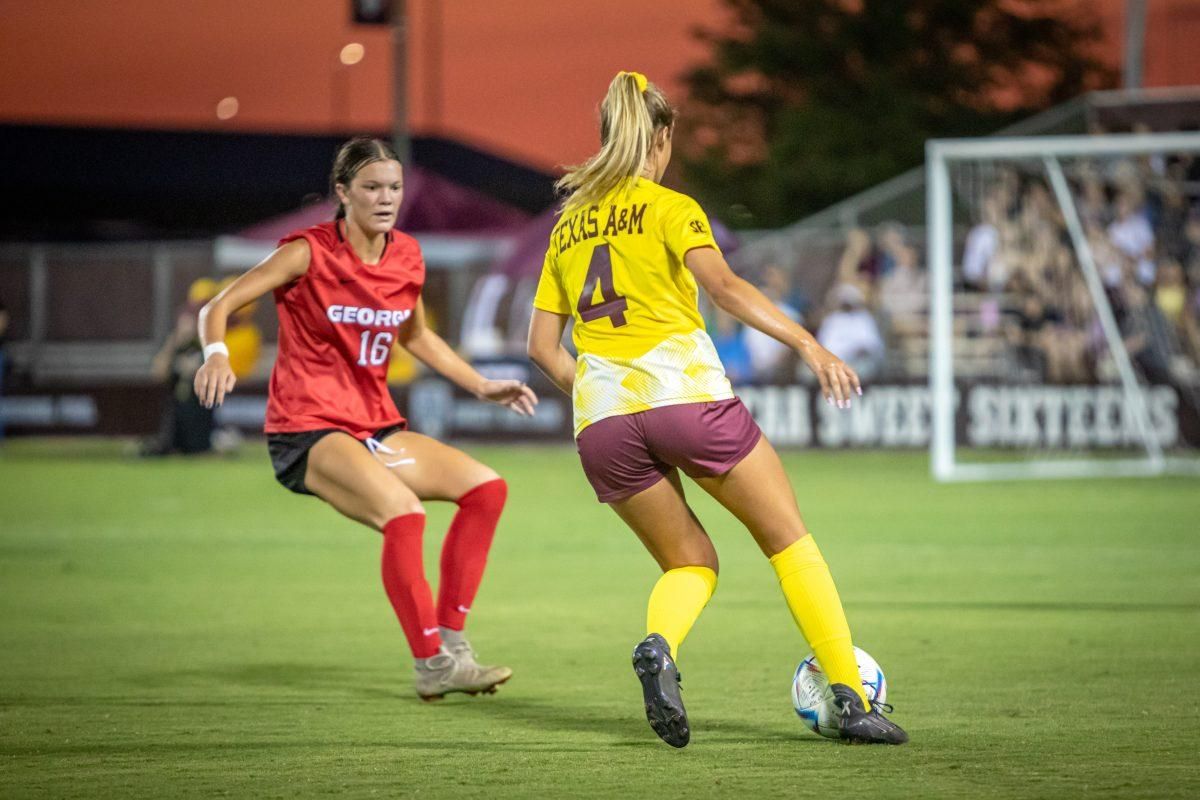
x,y
454,669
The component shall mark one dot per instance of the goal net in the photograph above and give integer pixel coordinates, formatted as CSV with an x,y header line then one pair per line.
x,y
1065,299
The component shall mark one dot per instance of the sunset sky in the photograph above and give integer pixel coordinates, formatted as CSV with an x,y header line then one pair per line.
x,y
519,77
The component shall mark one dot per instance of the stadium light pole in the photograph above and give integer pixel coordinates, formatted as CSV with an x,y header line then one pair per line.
x,y
431,44
401,142
1135,42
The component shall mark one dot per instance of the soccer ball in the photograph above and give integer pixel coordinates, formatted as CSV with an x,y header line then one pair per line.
x,y
813,699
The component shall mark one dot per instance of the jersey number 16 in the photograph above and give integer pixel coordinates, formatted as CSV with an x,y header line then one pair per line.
x,y
611,305
380,348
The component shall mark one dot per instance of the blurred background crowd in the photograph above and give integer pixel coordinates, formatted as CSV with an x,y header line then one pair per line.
x,y
1023,308
809,166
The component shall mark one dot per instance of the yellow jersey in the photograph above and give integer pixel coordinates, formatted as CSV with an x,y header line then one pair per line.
x,y
617,268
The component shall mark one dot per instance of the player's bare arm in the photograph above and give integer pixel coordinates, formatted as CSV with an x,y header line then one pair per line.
x,y
431,350
746,303
545,348
215,378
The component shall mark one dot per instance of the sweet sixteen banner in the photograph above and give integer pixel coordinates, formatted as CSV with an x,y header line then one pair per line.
x,y
1039,417
886,416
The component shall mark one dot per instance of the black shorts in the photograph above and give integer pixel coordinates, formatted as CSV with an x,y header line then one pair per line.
x,y
289,452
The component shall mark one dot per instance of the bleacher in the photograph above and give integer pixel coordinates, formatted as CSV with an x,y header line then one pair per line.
x,y
980,350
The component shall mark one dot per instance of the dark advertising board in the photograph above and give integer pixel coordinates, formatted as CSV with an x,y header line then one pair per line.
x,y
886,416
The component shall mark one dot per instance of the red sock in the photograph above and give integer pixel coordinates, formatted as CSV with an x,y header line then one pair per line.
x,y
465,551
407,588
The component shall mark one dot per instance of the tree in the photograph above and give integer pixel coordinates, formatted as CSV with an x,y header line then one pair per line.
x,y
808,101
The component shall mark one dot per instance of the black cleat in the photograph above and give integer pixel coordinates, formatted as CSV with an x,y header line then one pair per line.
x,y
859,726
660,689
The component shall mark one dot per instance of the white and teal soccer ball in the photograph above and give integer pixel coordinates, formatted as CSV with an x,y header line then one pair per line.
x,y
813,699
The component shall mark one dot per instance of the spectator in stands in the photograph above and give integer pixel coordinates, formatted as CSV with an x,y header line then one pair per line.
x,y
980,256
3,360
186,425
1092,202
1151,164
859,263
893,247
1173,214
1069,356
903,296
1131,234
243,337
1179,305
1109,261
770,359
1039,210
727,337
1147,335
1170,291
1125,176
1040,260
1190,322
1025,321
1189,247
850,332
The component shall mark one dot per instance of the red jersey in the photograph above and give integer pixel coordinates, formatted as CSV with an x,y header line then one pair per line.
x,y
337,324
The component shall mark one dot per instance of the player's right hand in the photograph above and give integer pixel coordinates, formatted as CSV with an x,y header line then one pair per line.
x,y
214,380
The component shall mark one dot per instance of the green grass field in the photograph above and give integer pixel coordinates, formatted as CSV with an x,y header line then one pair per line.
x,y
189,629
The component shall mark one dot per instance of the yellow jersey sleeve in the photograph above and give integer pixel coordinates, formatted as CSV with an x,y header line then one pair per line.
x,y
550,293
685,226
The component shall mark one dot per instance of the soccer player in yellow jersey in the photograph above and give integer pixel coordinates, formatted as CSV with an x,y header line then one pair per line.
x,y
651,399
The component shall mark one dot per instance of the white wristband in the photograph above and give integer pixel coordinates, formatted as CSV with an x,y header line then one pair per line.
x,y
215,347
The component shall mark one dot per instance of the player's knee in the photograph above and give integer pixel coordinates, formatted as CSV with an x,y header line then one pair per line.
x,y
692,559
489,493
707,555
482,476
401,506
408,505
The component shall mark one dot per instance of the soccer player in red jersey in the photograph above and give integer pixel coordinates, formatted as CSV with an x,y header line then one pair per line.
x,y
345,291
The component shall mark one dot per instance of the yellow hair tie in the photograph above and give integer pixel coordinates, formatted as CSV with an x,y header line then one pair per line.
x,y
637,76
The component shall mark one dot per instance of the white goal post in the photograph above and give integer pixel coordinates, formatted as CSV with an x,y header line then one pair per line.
x,y
941,156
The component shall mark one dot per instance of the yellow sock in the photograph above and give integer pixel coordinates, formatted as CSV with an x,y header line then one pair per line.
x,y
815,605
676,602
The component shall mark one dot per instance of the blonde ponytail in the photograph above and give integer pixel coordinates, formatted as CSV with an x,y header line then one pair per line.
x,y
631,113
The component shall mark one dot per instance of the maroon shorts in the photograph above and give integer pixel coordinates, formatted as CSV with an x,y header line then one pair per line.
x,y
626,454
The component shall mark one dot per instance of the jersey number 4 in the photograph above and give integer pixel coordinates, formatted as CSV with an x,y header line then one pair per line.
x,y
611,305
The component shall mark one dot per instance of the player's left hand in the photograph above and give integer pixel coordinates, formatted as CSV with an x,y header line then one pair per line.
x,y
838,381
512,394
